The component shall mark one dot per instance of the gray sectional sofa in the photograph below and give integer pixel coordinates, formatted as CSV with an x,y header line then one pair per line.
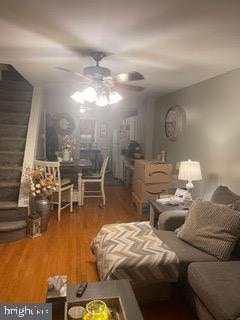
x,y
211,286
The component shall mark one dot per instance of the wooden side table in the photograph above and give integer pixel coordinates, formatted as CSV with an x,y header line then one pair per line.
x,y
157,208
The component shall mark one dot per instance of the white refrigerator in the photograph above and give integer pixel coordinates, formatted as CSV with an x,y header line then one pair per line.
x,y
120,141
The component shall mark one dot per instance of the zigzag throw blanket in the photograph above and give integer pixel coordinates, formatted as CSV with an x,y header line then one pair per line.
x,y
133,251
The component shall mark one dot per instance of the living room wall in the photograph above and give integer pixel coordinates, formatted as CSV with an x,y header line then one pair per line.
x,y
211,133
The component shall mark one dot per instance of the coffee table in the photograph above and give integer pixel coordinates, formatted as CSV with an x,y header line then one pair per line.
x,y
106,290
109,289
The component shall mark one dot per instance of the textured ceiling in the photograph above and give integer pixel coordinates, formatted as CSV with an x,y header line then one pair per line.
x,y
174,43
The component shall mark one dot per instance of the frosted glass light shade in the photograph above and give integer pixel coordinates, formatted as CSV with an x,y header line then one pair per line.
x,y
90,94
78,97
102,101
114,97
190,171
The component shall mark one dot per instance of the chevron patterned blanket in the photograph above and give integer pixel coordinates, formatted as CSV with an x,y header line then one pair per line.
x,y
133,251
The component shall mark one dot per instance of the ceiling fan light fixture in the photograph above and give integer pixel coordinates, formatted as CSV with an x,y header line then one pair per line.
x,y
114,97
102,101
78,97
90,94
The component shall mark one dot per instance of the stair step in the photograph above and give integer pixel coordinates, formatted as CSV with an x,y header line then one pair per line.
x,y
9,184
11,130
12,143
15,106
8,205
14,118
12,225
15,85
11,158
9,192
10,172
12,231
15,96
9,211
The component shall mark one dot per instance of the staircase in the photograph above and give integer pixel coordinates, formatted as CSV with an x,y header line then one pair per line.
x,y
15,105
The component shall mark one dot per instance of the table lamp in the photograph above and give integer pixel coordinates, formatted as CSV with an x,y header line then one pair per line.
x,y
190,171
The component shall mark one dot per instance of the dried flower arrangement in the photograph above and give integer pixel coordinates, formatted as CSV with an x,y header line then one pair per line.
x,y
41,186
68,142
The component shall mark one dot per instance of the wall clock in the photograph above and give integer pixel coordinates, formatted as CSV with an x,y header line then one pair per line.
x,y
64,124
174,122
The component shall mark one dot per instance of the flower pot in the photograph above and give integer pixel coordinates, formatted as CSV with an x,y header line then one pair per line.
x,y
42,207
66,155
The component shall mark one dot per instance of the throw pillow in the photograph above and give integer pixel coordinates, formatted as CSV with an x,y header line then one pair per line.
x,y
213,228
223,195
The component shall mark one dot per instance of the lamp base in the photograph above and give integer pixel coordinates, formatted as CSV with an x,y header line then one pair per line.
x,y
189,185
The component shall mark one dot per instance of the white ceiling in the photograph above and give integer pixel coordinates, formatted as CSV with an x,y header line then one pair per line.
x,y
174,43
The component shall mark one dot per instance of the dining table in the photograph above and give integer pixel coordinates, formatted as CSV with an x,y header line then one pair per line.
x,y
74,170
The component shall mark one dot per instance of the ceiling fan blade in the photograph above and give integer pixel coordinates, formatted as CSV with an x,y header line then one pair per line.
x,y
125,77
84,78
128,87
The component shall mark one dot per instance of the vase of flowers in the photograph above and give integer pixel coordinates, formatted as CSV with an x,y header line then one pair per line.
x,y
41,187
42,207
68,145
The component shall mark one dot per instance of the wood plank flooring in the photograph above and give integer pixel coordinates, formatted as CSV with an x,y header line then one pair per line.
x,y
25,265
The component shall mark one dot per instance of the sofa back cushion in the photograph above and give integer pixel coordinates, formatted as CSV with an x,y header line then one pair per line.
x,y
213,228
223,195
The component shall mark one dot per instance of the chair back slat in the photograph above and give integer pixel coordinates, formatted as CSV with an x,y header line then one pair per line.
x,y
50,168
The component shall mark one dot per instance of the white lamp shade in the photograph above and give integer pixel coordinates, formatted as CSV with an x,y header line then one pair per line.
x,y
190,171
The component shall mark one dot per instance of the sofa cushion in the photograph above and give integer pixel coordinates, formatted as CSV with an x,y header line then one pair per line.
x,y
184,251
213,228
217,284
223,195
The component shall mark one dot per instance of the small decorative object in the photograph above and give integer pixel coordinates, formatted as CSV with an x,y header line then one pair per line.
x,y
34,226
41,186
57,288
188,201
66,155
68,145
190,171
174,120
76,313
175,200
163,156
97,310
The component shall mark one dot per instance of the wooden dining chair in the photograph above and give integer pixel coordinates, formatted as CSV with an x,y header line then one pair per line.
x,y
94,178
53,168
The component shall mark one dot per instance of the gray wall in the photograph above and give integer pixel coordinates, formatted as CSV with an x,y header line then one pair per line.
x,y
211,134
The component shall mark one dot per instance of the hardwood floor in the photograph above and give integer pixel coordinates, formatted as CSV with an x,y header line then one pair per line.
x,y
64,249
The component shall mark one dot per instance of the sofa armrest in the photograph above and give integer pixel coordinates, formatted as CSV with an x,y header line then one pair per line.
x,y
171,220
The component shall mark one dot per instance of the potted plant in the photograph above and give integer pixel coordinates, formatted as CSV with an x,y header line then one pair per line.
x,y
68,145
41,187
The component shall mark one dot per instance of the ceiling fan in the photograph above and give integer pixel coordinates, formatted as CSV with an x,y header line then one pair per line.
x,y
101,76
